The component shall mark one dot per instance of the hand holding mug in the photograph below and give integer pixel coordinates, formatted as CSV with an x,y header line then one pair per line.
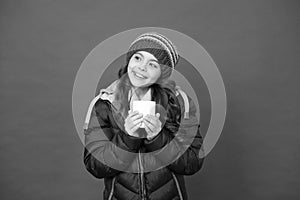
x,y
152,125
133,122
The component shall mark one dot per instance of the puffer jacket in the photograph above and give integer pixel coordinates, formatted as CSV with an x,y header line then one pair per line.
x,y
136,168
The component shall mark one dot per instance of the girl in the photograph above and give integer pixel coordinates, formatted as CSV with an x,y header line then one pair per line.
x,y
150,162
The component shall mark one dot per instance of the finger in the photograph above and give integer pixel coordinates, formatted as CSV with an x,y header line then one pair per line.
x,y
153,120
149,118
135,127
132,124
149,132
135,122
136,117
132,113
149,125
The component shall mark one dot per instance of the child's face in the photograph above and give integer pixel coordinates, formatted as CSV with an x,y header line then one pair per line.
x,y
143,69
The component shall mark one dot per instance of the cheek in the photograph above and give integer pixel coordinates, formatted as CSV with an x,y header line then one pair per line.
x,y
129,68
156,75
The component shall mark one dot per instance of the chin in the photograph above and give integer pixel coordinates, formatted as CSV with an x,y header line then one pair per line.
x,y
135,84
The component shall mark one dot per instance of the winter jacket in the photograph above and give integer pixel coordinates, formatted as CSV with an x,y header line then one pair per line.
x,y
136,168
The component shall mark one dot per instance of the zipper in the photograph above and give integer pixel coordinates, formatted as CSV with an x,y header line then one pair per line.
x,y
142,176
177,185
112,188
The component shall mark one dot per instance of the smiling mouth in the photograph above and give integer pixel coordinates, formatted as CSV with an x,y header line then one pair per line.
x,y
139,75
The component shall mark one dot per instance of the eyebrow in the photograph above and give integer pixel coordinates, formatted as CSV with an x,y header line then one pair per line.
x,y
149,60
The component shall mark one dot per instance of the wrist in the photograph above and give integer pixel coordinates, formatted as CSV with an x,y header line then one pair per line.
x,y
151,137
133,134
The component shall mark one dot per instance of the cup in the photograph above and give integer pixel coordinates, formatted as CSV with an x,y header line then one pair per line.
x,y
144,107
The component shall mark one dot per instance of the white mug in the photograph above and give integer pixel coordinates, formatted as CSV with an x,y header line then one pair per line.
x,y
144,107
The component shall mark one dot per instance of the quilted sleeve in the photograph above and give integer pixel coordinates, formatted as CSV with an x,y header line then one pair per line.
x,y
180,148
108,150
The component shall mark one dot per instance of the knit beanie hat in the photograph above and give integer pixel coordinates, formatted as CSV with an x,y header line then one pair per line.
x,y
158,45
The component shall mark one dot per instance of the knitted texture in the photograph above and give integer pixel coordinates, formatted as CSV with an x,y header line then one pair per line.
x,y
158,45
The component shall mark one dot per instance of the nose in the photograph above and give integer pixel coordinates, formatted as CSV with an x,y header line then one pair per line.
x,y
142,66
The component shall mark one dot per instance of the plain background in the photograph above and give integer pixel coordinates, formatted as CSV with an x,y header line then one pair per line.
x,y
255,45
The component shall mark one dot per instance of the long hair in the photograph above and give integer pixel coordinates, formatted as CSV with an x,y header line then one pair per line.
x,y
162,92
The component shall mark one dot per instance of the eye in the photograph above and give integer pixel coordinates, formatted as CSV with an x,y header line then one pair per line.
x,y
153,65
137,57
